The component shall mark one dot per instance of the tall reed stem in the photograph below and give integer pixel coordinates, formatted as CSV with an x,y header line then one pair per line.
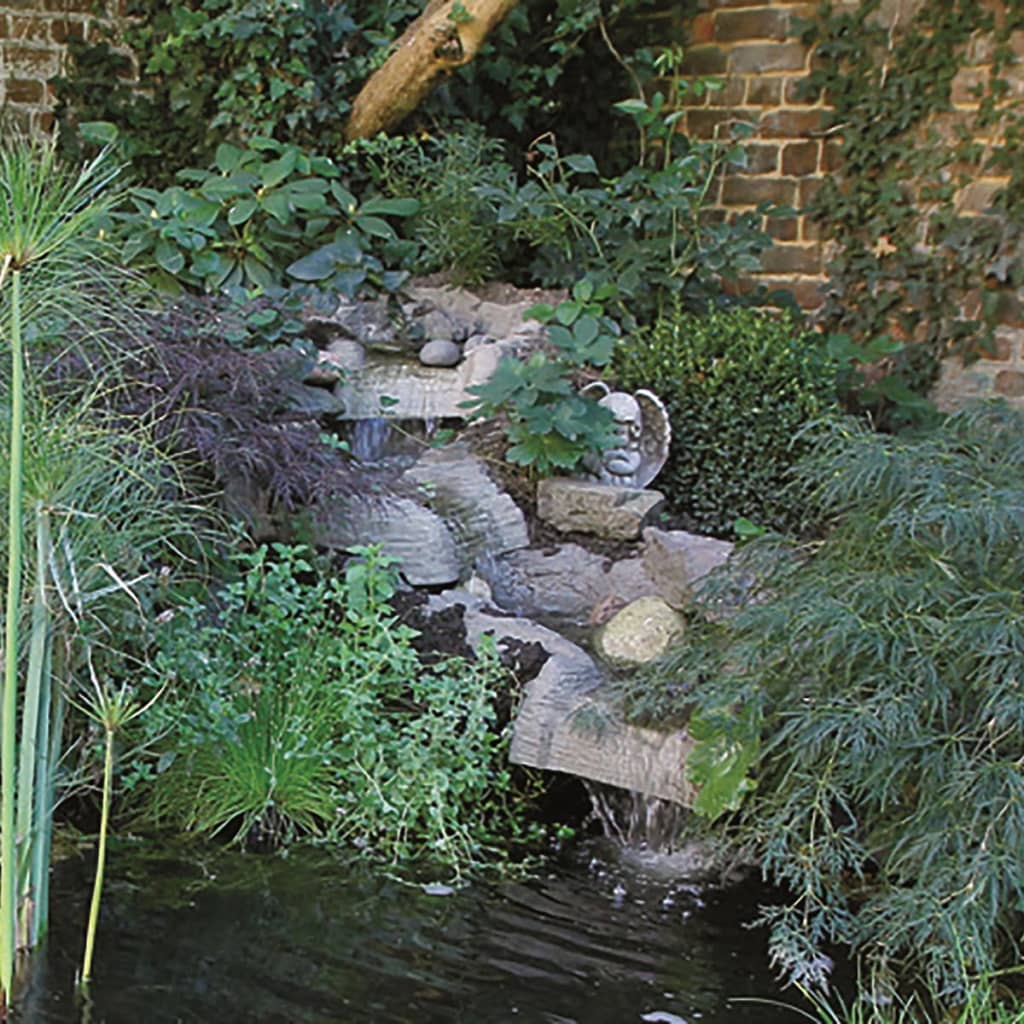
x,y
8,714
101,858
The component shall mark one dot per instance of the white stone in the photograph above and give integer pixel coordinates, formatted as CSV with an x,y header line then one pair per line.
x,y
639,633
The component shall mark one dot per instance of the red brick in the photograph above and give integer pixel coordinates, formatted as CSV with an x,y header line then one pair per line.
x,y
832,156
760,23
62,29
792,259
807,190
800,158
782,229
739,191
730,95
701,28
764,92
756,58
28,28
806,291
790,124
810,230
762,158
705,60
704,123
1010,383
794,93
24,90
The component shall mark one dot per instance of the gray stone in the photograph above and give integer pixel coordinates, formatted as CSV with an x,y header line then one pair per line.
x,y
612,512
639,633
414,535
564,584
439,352
643,436
345,353
368,321
565,721
676,560
457,486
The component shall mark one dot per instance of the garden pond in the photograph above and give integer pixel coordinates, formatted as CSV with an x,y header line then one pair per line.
x,y
213,935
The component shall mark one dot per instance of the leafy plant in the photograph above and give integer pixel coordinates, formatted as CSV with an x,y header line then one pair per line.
x,y
739,386
643,230
913,270
214,71
304,709
258,210
549,424
458,178
880,670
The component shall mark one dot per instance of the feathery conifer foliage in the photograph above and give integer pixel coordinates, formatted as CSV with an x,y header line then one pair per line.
x,y
869,692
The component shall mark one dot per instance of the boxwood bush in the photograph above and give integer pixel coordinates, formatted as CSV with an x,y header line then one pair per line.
x,y
739,385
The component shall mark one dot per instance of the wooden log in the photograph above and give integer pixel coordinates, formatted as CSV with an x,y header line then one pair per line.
x,y
448,34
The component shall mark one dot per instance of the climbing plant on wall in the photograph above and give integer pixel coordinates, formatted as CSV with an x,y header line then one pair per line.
x,y
912,262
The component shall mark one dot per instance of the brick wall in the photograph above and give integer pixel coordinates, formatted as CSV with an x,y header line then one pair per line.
x,y
754,47
33,34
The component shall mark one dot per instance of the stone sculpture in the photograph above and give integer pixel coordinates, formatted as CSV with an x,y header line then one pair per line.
x,y
643,434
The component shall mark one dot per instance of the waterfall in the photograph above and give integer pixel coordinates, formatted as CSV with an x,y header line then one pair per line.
x,y
368,438
637,821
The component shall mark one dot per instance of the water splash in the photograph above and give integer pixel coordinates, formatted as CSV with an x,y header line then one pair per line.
x,y
636,821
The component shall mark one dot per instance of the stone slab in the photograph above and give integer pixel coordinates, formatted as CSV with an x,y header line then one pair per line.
x,y
603,510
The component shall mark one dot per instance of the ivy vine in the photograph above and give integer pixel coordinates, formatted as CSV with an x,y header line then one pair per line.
x,y
909,265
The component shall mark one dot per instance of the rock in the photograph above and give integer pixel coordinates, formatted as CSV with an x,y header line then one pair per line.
x,y
562,584
566,723
639,633
604,510
368,321
676,560
346,353
411,533
482,517
440,353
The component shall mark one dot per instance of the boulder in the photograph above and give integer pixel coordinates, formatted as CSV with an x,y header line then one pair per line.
x,y
368,321
566,723
676,560
604,510
481,516
414,535
639,633
563,584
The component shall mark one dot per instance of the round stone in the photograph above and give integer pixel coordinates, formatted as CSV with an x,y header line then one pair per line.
x,y
440,353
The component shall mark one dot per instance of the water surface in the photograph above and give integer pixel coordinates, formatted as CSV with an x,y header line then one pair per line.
x,y
219,936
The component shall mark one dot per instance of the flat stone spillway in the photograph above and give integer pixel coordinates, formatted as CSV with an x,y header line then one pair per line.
x,y
565,722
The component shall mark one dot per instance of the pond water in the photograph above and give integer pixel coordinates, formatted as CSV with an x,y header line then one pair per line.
x,y
220,936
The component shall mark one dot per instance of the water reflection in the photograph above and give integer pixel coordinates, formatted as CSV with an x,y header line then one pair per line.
x,y
235,938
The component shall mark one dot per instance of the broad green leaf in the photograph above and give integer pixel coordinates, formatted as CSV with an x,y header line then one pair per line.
x,y
169,257
241,211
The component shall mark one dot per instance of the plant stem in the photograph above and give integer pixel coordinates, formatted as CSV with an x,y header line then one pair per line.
x,y
8,714
101,858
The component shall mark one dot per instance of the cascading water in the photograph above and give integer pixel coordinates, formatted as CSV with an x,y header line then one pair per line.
x,y
636,821
368,439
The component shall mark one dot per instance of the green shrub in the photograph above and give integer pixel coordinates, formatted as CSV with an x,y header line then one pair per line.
x,y
261,214
459,179
304,709
548,423
213,71
739,385
867,696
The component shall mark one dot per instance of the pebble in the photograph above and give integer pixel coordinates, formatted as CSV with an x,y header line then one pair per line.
x,y
440,353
